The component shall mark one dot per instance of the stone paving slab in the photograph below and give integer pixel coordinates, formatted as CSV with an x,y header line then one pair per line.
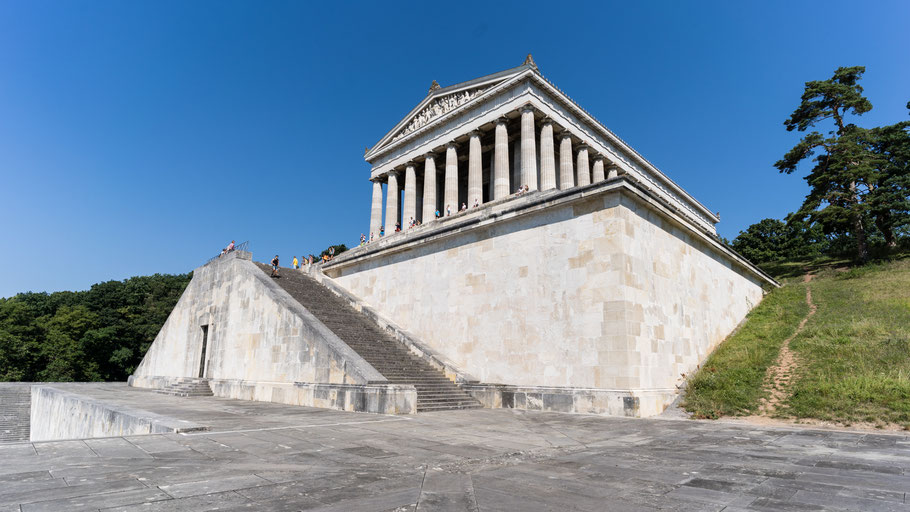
x,y
261,456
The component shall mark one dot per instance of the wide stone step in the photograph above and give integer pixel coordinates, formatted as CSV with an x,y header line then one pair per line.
x,y
444,393
15,412
410,380
187,387
435,408
426,384
390,357
450,403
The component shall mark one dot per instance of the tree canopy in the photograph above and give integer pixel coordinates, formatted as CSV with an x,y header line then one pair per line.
x,y
774,240
96,335
860,177
338,249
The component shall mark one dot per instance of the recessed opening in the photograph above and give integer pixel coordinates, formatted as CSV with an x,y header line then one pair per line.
x,y
205,339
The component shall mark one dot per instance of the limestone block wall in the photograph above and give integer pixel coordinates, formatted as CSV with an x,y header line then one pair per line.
x,y
680,297
256,332
596,290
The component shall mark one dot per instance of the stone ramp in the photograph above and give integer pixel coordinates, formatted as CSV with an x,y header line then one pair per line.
x,y
391,358
15,411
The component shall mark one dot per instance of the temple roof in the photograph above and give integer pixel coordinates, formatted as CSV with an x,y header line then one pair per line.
x,y
441,100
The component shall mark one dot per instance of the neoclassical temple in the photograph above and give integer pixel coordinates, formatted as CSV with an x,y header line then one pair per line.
x,y
564,272
486,139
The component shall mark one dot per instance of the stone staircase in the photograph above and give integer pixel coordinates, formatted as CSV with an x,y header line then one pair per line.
x,y
390,357
15,412
187,386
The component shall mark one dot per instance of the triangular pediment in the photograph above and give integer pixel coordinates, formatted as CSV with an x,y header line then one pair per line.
x,y
440,101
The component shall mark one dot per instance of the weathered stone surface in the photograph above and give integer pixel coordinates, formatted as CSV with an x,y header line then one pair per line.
x,y
266,456
58,413
15,405
260,344
257,332
595,288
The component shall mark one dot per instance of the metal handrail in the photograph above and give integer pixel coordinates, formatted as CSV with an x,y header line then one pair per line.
x,y
242,246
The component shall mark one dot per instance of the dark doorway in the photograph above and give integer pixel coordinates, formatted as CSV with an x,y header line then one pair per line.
x,y
205,339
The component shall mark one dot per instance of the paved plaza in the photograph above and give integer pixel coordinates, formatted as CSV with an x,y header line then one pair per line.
x,y
264,456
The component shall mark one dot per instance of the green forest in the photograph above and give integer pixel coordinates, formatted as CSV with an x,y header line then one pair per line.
x,y
96,335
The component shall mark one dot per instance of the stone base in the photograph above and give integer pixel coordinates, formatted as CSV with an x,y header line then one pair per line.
x,y
377,398
606,402
57,414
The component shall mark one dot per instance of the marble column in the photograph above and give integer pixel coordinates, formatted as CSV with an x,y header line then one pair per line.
x,y
584,170
409,212
598,169
451,193
376,210
614,172
547,159
515,165
392,197
566,172
429,188
528,150
501,160
475,172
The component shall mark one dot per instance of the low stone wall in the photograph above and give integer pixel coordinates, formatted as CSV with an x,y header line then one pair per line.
x,y
608,402
58,414
374,398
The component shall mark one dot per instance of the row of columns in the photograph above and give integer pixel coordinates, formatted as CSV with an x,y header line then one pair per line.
x,y
500,177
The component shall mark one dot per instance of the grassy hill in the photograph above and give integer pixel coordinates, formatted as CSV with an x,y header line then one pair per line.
x,y
852,358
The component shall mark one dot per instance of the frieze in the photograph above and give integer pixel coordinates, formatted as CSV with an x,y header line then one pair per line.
x,y
437,108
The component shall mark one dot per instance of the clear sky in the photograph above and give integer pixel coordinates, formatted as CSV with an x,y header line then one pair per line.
x,y
141,137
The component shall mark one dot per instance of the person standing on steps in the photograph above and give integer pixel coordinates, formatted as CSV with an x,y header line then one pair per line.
x,y
296,266
275,266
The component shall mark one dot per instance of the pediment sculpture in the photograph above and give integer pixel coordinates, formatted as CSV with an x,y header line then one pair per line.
x,y
437,108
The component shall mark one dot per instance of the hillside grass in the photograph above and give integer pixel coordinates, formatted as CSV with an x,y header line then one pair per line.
x,y
853,355
729,383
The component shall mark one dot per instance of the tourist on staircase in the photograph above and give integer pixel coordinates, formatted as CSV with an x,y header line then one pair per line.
x,y
275,266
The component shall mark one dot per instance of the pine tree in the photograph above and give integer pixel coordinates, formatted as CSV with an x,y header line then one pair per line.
x,y
844,168
889,201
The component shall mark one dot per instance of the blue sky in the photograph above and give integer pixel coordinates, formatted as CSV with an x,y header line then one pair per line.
x,y
140,137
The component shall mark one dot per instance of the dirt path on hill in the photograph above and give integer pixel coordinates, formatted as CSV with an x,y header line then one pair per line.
x,y
779,375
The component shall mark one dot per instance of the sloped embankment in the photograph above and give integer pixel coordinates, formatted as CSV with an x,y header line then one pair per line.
x,y
853,356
